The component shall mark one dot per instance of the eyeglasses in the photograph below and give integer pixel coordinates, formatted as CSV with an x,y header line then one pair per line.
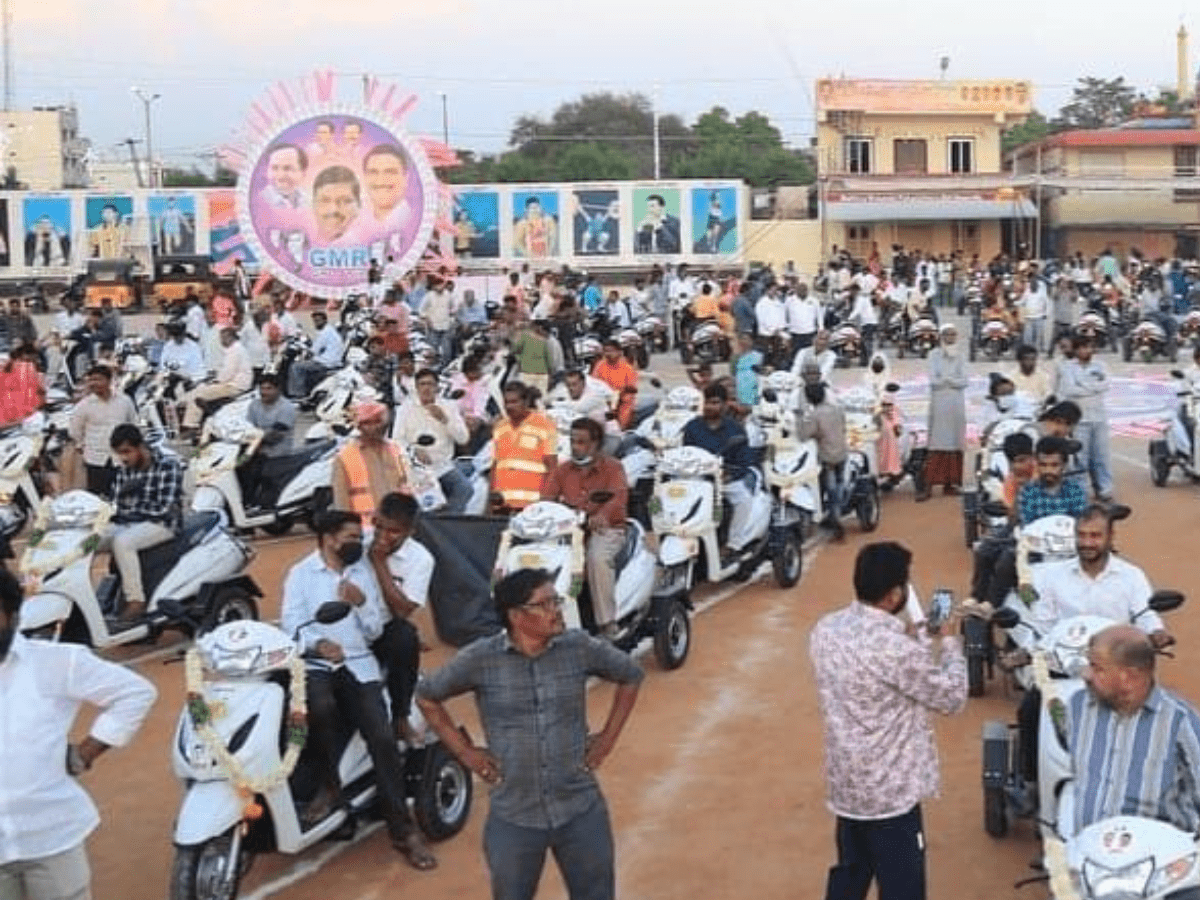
x,y
550,605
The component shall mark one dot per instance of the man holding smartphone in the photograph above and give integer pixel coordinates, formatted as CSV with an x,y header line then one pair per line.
x,y
878,680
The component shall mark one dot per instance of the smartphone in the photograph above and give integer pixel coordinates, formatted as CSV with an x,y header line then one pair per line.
x,y
940,606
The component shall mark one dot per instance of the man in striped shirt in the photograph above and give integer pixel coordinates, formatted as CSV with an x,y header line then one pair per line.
x,y
1135,746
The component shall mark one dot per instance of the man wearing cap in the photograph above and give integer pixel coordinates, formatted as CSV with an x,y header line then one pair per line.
x,y
947,415
369,466
234,377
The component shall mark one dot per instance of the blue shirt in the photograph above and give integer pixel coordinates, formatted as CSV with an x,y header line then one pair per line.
x,y
744,319
1035,502
697,433
591,298
746,378
474,314
1146,764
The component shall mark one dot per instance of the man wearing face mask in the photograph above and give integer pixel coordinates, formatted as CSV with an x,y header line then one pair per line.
x,y
344,678
45,815
574,483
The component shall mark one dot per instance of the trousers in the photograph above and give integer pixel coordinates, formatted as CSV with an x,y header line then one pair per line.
x,y
738,496
125,541
602,550
457,489
888,851
339,696
398,649
583,849
63,876
1095,455
205,392
1035,333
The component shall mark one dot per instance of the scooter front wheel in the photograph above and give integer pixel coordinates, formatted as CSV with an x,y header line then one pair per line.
x,y
198,872
443,797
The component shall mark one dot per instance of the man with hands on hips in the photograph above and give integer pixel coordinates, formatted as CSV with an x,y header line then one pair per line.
x,y
530,682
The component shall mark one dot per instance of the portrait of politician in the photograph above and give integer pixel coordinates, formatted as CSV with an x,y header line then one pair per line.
x,y
658,232
385,173
336,200
286,165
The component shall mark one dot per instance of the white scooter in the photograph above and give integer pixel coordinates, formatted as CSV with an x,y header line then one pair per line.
x,y
230,813
550,536
24,451
1058,658
688,516
203,569
664,429
297,484
1177,446
793,476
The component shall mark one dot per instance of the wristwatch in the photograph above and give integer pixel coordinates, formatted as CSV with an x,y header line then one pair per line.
x,y
76,764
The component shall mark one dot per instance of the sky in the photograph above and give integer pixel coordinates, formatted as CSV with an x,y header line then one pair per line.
x,y
498,61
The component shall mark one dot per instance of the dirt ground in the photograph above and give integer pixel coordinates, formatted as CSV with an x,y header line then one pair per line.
x,y
716,787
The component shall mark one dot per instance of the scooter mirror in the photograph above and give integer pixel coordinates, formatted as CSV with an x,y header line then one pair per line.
x,y
1073,447
1119,512
426,440
769,395
1177,373
654,382
457,394
599,497
333,611
1006,617
1165,600
891,387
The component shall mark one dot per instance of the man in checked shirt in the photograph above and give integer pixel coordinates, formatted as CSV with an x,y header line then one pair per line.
x,y
530,684
148,495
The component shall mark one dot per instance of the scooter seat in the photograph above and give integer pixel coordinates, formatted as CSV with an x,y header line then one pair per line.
x,y
156,561
633,536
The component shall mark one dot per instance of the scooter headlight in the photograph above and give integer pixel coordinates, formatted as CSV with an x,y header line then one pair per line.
x,y
1171,874
1128,881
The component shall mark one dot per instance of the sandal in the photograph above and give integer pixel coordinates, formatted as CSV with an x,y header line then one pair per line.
x,y
413,849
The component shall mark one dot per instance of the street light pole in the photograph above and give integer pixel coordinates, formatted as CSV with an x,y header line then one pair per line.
x,y
147,99
445,119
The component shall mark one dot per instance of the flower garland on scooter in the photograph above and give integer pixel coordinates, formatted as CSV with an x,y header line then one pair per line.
x,y
202,715
85,547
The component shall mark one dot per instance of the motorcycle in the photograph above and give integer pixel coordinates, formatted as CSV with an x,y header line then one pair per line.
x,y
1177,446
846,342
1093,326
298,484
995,339
202,569
634,347
550,536
1189,328
793,477
1147,340
237,751
692,522
859,494
704,342
654,334
1058,657
922,337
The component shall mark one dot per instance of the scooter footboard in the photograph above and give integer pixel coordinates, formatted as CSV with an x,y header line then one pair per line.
x,y
209,809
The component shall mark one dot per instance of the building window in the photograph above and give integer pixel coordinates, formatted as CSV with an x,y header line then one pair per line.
x,y
858,241
858,156
1185,161
966,237
910,157
962,156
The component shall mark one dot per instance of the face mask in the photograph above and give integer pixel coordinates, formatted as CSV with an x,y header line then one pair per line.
x,y
6,639
350,552
582,460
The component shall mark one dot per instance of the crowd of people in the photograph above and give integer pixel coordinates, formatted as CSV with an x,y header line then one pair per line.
x,y
878,674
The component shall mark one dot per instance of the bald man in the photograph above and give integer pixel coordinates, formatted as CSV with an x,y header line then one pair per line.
x,y
1135,746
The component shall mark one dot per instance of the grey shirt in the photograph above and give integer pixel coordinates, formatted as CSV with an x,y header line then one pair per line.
x,y
534,714
826,424
280,413
1085,385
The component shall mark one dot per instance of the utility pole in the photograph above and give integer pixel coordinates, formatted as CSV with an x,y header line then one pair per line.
x,y
657,149
132,143
147,99
6,16
445,119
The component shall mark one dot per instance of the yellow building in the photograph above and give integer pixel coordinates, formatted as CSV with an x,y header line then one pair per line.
x,y
918,163
1133,186
42,148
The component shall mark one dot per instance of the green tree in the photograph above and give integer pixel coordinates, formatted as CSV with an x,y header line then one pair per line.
x,y
1098,103
1034,128
594,162
749,147
194,177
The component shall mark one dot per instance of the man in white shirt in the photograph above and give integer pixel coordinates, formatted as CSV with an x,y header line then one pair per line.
x,y
327,356
866,317
255,340
437,309
288,326
803,318
69,318
1028,379
818,354
181,354
45,815
770,316
586,397
344,678
92,422
234,377
426,415
194,317
1035,306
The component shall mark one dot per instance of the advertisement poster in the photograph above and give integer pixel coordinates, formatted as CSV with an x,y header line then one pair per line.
x,y
109,226
5,252
656,221
714,220
477,225
596,222
173,224
225,235
535,224
329,193
47,224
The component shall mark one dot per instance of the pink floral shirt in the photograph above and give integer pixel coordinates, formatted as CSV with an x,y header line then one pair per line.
x,y
877,685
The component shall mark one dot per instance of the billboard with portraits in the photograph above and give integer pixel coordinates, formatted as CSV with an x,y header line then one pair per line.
x,y
47,225
535,232
714,220
172,224
109,226
657,227
329,192
596,222
477,225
